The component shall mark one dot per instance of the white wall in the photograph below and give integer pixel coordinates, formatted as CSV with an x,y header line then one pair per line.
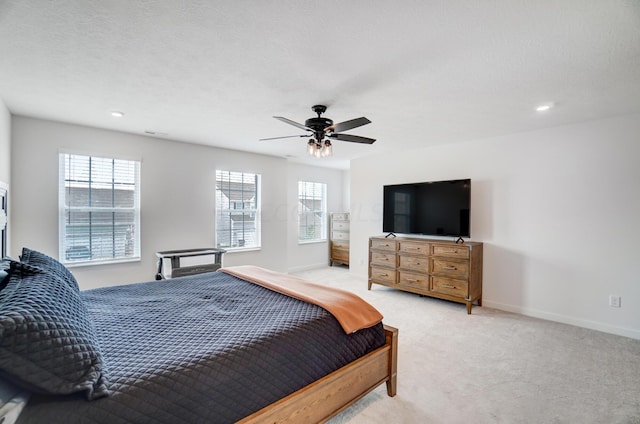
x,y
312,255
177,196
558,210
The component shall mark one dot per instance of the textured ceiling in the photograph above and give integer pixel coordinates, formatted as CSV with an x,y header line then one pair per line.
x,y
424,72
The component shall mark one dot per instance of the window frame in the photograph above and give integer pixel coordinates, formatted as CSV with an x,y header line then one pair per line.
x,y
323,214
64,246
256,211
4,218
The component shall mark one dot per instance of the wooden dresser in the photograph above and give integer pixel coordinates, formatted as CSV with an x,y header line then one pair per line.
x,y
339,242
436,268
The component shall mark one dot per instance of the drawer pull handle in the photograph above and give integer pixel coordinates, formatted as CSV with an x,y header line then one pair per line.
x,y
412,280
452,268
384,275
448,286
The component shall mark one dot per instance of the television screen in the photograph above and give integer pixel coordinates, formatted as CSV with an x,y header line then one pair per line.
x,y
439,208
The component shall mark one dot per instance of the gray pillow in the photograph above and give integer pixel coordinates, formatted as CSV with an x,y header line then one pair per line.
x,y
47,263
5,265
47,340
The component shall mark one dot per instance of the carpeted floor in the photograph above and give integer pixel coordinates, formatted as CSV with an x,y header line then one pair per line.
x,y
493,366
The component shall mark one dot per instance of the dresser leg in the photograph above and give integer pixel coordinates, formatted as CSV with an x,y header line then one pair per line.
x,y
469,308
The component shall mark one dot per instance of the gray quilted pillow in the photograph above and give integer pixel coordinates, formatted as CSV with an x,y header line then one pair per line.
x,y
47,263
47,340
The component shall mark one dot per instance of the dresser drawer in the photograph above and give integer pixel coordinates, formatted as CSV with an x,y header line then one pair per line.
x,y
384,259
339,235
383,274
415,248
414,263
413,280
380,244
339,216
340,226
450,268
340,244
340,255
451,251
450,286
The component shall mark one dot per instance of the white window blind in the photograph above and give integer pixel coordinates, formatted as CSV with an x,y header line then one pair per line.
x,y
237,210
312,211
99,209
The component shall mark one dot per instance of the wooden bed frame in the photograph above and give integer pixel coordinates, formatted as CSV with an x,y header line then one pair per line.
x,y
323,399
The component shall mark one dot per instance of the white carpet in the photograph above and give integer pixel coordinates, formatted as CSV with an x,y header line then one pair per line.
x,y
493,366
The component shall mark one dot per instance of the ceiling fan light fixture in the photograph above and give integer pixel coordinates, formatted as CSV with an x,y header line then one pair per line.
x,y
320,127
317,151
327,150
311,147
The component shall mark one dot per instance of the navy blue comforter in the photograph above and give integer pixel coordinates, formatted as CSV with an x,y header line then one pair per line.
x,y
208,348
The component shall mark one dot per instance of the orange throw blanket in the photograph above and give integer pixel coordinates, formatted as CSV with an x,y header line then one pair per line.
x,y
351,311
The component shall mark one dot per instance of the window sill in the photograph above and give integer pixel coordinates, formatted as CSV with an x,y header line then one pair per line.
x,y
240,249
104,262
301,242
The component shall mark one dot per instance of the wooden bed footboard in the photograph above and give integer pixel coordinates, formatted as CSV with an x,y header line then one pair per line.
x,y
325,398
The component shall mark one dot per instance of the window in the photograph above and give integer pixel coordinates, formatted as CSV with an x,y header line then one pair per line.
x,y
312,211
4,209
99,209
237,210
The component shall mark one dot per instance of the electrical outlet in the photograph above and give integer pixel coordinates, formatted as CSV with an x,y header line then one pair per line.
x,y
615,301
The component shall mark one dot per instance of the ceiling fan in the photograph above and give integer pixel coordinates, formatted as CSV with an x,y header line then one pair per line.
x,y
323,130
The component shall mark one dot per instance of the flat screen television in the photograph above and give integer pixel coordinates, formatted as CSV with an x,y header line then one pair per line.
x,y
437,208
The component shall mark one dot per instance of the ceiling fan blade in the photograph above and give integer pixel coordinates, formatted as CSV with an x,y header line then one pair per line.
x,y
286,136
352,138
347,125
294,123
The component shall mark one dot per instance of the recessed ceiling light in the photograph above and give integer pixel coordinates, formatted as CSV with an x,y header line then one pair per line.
x,y
544,107
117,114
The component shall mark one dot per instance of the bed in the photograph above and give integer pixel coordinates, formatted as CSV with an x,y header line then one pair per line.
x,y
212,347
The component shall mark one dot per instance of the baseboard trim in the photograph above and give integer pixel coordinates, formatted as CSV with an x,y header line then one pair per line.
x,y
564,319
